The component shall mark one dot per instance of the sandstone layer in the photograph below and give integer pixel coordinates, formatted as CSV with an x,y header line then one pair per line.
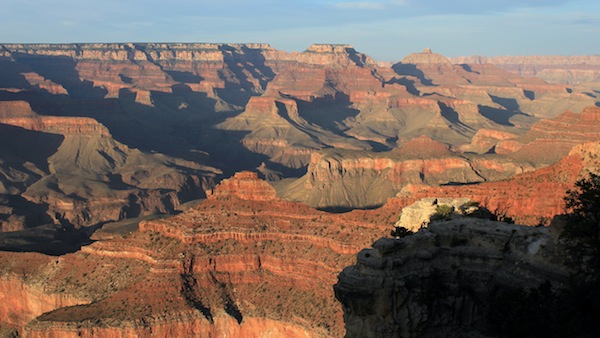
x,y
231,107
240,263
530,198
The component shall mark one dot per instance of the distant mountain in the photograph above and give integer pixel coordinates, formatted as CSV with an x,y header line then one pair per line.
x,y
202,109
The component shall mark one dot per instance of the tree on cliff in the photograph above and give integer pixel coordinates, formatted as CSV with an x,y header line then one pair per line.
x,y
582,232
580,302
572,310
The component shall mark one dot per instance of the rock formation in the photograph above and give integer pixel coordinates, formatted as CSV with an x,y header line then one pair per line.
x,y
75,167
346,179
530,198
99,132
421,213
241,263
552,68
441,280
236,106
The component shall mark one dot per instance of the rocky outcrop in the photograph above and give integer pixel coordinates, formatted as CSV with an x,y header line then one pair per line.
x,y
442,280
421,213
15,109
242,262
347,179
59,125
486,140
530,198
426,57
246,186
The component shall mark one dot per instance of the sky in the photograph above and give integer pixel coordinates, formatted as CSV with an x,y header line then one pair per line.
x,y
387,30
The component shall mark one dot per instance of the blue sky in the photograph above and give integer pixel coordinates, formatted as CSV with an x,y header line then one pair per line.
x,y
387,30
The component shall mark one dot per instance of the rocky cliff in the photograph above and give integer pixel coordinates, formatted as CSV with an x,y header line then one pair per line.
x,y
240,263
344,179
75,167
575,69
236,106
442,280
530,198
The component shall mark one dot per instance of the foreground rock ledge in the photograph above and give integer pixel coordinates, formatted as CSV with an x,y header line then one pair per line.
x,y
435,283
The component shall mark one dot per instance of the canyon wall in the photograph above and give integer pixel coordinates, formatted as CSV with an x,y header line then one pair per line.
x,y
442,280
242,262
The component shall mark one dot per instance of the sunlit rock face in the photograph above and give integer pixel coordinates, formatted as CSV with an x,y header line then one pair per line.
x,y
232,107
242,262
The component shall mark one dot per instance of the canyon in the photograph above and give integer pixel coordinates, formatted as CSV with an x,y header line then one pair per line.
x,y
216,189
243,262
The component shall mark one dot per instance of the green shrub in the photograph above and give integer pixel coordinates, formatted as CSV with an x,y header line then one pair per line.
x,y
443,212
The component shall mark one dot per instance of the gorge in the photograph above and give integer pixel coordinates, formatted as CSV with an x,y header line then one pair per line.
x,y
208,189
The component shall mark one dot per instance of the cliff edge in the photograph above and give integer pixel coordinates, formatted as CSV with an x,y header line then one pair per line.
x,y
446,279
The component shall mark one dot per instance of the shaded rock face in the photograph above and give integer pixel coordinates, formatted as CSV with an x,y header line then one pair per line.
x,y
233,107
438,282
74,167
347,179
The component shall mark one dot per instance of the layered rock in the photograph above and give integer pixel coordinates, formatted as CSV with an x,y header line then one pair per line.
x,y
552,68
85,177
238,266
345,179
549,140
246,186
291,104
530,198
441,280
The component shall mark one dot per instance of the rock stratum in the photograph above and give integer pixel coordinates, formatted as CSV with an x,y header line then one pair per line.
x,y
116,136
190,111
241,263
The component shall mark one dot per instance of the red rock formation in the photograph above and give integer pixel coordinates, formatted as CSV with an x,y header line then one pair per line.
x,y
246,186
486,140
342,179
552,68
9,109
551,139
527,198
59,125
237,266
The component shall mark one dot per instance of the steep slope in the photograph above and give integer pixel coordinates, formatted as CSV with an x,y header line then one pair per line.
x,y
340,180
448,279
241,263
84,176
529,198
